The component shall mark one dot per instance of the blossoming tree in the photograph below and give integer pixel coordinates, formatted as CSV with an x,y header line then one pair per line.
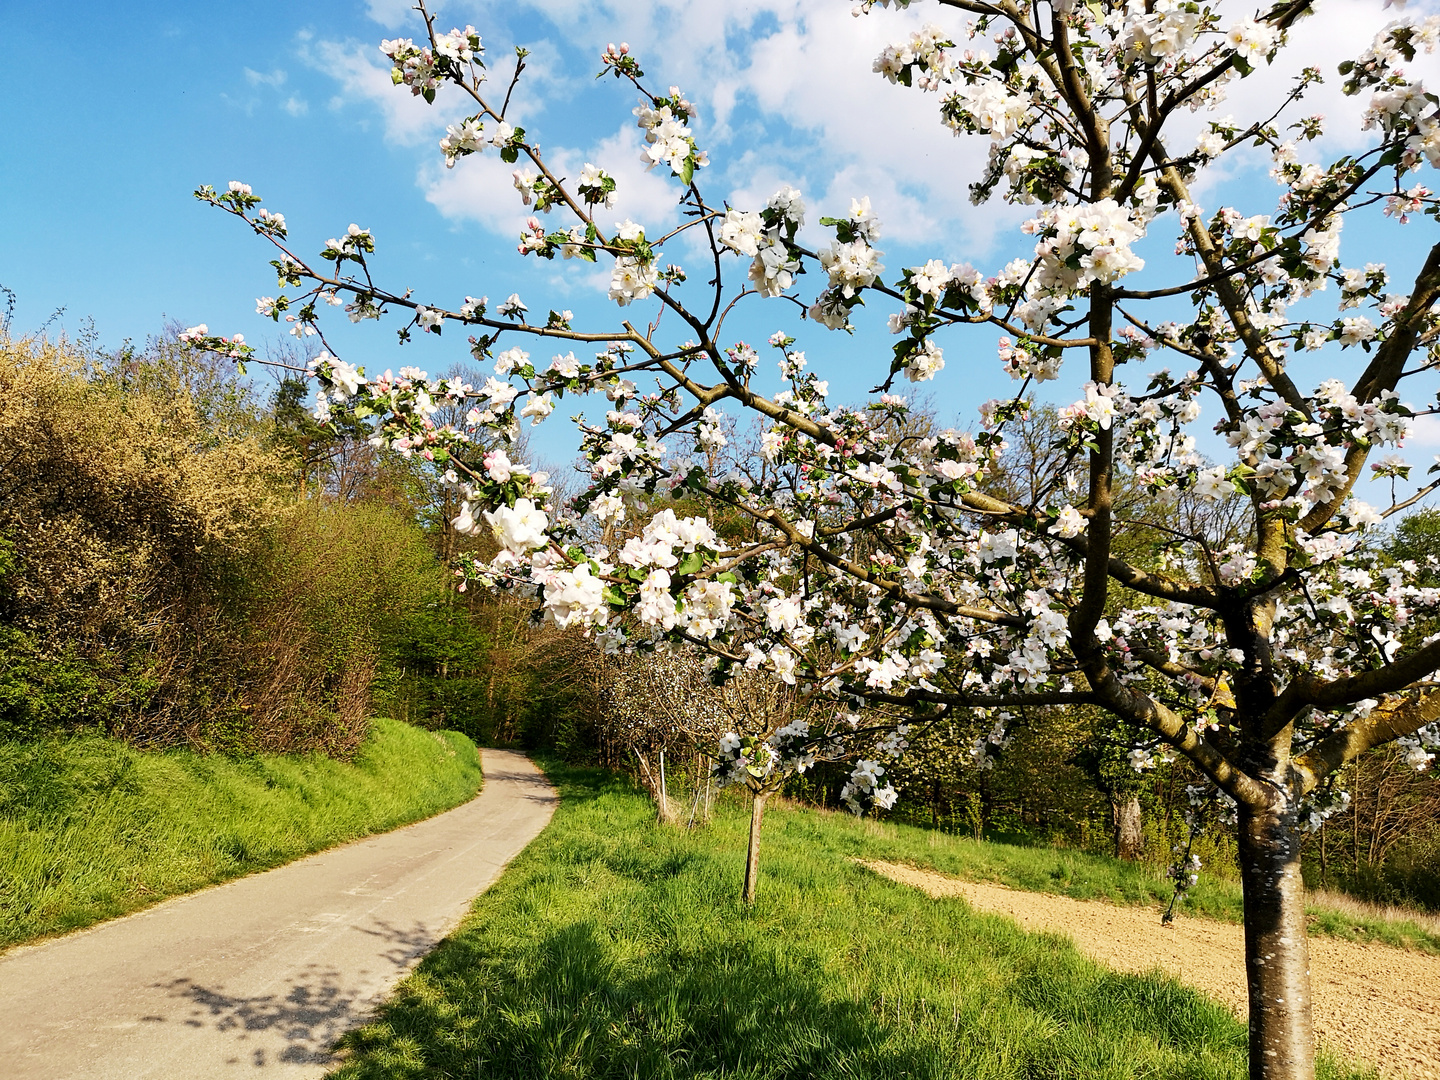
x,y
877,566
663,701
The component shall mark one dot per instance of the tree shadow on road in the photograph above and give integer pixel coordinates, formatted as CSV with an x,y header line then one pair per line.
x,y
299,1024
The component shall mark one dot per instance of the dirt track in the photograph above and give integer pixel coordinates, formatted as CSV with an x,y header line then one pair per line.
x,y
1371,1001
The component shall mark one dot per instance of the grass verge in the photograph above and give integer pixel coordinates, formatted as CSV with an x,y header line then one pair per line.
x,y
613,948
91,828
1095,877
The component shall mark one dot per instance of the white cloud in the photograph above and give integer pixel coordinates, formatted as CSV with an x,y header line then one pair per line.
x,y
813,73
903,216
805,65
1424,431
364,78
479,188
274,78
1322,41
1344,30
296,106
648,197
391,13
760,171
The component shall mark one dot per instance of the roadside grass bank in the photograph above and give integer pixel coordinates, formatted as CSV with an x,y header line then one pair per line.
x,y
91,828
613,948
1084,876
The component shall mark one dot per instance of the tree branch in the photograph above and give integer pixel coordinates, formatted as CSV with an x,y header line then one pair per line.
x,y
1386,723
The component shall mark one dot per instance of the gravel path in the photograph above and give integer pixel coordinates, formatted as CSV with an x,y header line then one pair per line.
x,y
260,976
1371,1001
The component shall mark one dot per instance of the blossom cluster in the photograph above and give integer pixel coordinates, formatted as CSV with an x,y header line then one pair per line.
x,y
424,68
668,138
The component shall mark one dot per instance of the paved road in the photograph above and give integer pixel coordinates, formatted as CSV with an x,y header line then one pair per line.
x,y
260,976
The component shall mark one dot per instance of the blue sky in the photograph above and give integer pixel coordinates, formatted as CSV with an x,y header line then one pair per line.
x,y
97,160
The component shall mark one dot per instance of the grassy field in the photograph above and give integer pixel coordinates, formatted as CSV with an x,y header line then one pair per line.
x,y
91,829
1095,877
613,948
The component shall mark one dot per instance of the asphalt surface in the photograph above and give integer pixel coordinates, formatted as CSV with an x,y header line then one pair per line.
x,y
260,976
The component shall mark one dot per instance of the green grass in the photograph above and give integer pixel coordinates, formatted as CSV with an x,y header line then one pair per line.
x,y
91,828
614,948
1095,877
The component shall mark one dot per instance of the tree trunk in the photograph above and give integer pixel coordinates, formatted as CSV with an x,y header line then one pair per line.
x,y
752,857
1355,836
1324,866
653,786
1129,827
1277,952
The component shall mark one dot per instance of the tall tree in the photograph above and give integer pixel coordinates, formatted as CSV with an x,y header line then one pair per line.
x,y
879,566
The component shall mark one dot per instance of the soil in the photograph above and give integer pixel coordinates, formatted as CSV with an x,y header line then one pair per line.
x,y
1371,1002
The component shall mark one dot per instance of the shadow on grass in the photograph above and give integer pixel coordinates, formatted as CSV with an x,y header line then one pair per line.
x,y
579,1011
615,949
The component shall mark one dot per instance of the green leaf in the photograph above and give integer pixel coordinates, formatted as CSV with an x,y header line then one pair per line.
x,y
691,564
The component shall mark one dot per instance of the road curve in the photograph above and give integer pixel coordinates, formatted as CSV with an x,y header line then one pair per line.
x,y
260,976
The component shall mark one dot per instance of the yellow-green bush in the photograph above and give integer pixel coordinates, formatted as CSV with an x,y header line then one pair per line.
x,y
123,512
160,577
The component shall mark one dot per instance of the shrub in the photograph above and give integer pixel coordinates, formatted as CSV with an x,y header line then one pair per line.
x,y
124,509
159,579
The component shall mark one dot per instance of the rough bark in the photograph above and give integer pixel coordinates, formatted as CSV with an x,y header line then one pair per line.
x,y
1277,952
1129,827
752,857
